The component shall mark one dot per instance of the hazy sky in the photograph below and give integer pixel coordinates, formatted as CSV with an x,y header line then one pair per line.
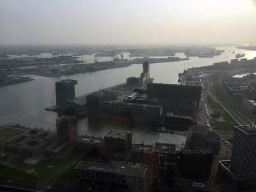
x,y
127,21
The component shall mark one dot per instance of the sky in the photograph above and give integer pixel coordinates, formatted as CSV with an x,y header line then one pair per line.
x,y
127,21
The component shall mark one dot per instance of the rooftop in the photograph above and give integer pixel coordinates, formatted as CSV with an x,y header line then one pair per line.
x,y
206,150
178,116
66,118
118,133
56,146
249,129
90,140
188,151
68,81
143,148
133,104
110,168
165,148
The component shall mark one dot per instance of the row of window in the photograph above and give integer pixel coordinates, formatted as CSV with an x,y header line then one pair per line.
x,y
107,177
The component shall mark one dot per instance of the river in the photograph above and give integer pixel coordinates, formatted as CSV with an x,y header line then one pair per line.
x,y
25,103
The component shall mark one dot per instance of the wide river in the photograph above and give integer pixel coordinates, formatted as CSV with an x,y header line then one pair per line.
x,y
25,103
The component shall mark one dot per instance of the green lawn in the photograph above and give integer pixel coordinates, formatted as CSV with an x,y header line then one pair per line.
x,y
15,174
227,124
224,125
230,141
8,133
49,172
214,105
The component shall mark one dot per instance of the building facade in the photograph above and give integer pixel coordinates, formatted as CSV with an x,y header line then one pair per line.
x,y
66,128
117,144
133,111
175,93
196,163
135,177
243,159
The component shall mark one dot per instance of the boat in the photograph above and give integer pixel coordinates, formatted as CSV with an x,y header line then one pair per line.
x,y
240,55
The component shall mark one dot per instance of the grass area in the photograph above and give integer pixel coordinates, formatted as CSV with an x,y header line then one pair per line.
x,y
48,172
14,174
230,141
225,98
224,125
214,105
227,124
8,133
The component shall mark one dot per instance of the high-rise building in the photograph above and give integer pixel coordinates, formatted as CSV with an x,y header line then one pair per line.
x,y
146,69
65,91
243,159
196,163
66,128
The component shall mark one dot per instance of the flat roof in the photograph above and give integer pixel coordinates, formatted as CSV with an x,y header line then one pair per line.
x,y
249,129
188,151
118,133
37,143
110,168
56,146
133,104
143,148
178,116
165,148
90,140
66,117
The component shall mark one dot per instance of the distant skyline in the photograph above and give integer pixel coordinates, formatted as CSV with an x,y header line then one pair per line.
x,y
127,21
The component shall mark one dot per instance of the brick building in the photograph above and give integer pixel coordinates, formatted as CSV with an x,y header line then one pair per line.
x,y
66,128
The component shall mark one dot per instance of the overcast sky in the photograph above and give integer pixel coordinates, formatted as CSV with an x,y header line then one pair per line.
x,y
127,21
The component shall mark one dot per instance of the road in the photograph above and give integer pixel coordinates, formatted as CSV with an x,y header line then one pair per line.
x,y
219,101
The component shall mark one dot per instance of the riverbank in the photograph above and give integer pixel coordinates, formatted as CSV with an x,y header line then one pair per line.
x,y
97,66
24,79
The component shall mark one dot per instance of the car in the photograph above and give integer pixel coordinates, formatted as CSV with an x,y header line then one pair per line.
x,y
226,142
197,184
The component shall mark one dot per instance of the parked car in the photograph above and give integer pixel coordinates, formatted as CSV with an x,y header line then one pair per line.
x,y
197,184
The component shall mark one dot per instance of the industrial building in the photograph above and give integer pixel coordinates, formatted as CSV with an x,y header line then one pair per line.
x,y
133,176
144,76
196,163
30,143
